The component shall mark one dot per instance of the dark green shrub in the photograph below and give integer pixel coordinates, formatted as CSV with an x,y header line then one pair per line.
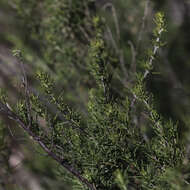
x,y
121,142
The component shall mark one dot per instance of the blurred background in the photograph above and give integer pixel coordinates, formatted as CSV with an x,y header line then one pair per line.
x,y
54,36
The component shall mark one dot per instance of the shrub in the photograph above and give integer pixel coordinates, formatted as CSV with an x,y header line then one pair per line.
x,y
121,142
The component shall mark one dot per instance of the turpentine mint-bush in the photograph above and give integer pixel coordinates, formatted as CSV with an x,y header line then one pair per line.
x,y
122,142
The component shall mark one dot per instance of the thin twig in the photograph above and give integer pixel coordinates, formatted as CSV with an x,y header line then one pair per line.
x,y
118,50
84,33
148,108
114,17
112,39
10,131
25,84
136,98
55,109
134,53
155,49
143,24
11,115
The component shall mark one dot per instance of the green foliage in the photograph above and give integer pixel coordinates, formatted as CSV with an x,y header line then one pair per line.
x,y
122,142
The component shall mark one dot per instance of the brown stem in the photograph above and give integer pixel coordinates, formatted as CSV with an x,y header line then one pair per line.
x,y
5,110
